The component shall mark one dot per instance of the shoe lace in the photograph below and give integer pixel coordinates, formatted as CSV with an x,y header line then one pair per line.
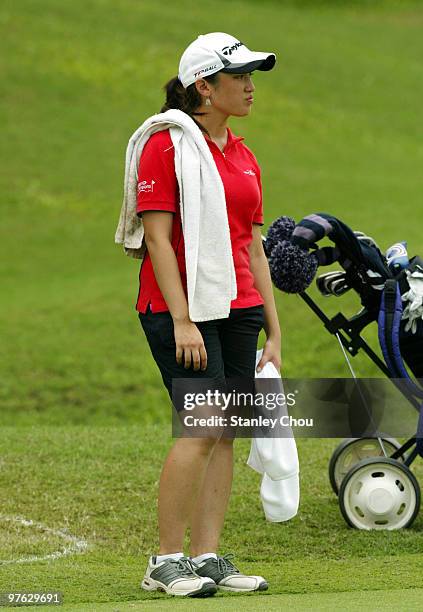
x,y
184,566
225,565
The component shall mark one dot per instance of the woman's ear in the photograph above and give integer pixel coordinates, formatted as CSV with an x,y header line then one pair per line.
x,y
203,87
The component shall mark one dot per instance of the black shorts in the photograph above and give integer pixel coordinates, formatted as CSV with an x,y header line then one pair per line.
x,y
231,345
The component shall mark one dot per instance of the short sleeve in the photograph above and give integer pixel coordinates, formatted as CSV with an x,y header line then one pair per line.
x,y
258,214
157,187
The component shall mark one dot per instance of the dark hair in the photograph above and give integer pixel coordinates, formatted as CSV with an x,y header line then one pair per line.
x,y
186,100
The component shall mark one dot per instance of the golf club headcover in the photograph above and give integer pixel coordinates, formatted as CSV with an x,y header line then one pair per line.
x,y
287,245
327,255
280,229
310,229
292,269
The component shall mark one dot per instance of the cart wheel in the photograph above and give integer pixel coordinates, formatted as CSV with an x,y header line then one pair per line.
x,y
353,450
379,494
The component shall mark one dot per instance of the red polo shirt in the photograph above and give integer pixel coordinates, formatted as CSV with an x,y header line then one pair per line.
x,y
158,190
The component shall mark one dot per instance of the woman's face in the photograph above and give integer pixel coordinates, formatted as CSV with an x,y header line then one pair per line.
x,y
232,94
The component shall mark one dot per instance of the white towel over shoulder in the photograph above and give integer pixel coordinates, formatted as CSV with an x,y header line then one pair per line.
x,y
211,280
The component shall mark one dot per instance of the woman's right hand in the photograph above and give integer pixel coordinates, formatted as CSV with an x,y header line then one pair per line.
x,y
190,349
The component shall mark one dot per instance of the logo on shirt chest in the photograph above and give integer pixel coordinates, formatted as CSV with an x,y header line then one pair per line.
x,y
144,187
250,172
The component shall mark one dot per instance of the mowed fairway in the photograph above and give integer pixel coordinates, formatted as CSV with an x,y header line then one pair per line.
x,y
84,419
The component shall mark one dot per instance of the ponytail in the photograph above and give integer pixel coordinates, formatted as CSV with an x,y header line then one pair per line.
x,y
186,100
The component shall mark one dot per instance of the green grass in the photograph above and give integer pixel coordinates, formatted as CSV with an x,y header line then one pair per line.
x,y
100,484
336,127
409,599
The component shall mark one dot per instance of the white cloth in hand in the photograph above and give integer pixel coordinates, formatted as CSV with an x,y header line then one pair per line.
x,y
277,460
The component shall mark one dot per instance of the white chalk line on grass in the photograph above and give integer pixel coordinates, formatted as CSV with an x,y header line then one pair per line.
x,y
76,545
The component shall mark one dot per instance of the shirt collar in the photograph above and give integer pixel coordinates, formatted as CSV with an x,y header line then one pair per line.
x,y
231,141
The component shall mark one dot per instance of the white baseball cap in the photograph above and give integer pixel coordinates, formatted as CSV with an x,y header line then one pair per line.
x,y
218,51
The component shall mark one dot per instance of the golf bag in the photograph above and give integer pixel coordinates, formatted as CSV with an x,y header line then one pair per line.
x,y
391,293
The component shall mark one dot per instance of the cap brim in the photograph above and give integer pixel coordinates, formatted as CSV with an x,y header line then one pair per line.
x,y
265,63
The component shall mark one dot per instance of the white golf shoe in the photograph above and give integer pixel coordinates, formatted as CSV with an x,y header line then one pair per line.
x,y
227,577
176,577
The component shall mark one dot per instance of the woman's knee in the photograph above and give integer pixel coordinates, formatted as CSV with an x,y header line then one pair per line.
x,y
199,446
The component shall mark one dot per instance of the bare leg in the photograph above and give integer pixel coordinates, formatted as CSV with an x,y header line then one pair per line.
x,y
210,507
180,482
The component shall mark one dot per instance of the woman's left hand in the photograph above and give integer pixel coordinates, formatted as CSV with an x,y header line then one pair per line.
x,y
271,352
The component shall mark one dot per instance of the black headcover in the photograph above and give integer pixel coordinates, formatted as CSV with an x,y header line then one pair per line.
x,y
294,256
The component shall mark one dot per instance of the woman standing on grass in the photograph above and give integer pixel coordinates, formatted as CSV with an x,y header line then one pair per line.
x,y
214,83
